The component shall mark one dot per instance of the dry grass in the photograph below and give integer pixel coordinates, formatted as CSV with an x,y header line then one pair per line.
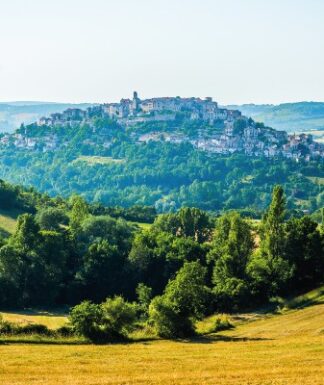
x,y
316,180
8,221
276,350
51,320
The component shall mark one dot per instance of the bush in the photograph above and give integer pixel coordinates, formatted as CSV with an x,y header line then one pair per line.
x,y
109,321
34,329
167,322
85,320
222,323
119,317
65,331
6,327
9,328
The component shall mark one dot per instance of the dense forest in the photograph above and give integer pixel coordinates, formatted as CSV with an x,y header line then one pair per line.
x,y
105,164
188,264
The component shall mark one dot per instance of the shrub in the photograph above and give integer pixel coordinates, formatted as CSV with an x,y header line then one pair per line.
x,y
9,328
110,321
6,327
119,317
85,320
222,323
34,329
65,331
167,321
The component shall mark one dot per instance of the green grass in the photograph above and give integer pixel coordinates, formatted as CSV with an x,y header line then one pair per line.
x,y
8,220
143,226
314,297
316,180
103,160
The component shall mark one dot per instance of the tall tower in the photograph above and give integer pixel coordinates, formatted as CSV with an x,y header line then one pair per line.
x,y
136,102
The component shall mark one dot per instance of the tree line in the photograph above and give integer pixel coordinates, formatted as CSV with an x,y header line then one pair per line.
x,y
187,265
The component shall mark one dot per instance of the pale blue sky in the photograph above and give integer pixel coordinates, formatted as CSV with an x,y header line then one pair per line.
x,y
238,51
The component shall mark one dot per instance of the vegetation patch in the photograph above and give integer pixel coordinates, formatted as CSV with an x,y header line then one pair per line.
x,y
104,160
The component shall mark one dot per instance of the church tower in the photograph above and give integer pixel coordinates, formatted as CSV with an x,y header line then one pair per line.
x,y
136,102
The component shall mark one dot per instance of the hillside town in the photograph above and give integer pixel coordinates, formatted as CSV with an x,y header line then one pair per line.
x,y
220,130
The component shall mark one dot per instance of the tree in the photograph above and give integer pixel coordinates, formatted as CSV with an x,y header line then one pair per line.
x,y
26,236
187,222
232,249
144,297
101,272
184,300
269,268
51,218
79,212
305,253
11,276
116,231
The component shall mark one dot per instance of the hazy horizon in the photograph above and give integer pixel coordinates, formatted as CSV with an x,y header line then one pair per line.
x,y
238,52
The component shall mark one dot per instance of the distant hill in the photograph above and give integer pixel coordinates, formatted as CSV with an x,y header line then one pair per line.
x,y
291,117
12,114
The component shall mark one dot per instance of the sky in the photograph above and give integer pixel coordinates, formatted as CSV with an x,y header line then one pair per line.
x,y
237,51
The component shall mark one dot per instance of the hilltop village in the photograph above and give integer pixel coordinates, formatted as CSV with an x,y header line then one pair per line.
x,y
216,130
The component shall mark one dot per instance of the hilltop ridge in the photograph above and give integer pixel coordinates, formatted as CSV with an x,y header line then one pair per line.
x,y
200,122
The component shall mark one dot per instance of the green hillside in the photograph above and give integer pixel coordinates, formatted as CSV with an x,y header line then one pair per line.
x,y
291,117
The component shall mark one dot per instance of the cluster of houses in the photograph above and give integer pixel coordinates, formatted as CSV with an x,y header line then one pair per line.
x,y
237,134
130,111
252,140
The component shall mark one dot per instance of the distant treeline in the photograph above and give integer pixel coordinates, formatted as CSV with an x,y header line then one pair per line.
x,y
164,175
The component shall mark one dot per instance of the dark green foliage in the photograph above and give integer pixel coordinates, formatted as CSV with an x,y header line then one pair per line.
x,y
9,328
270,269
187,222
85,319
108,321
184,300
51,218
305,250
156,256
166,176
191,262
231,251
144,297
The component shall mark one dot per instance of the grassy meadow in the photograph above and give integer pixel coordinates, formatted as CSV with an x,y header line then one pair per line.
x,y
8,220
103,160
263,349
51,320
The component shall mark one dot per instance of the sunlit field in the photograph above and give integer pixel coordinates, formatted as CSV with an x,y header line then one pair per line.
x,y
51,320
280,349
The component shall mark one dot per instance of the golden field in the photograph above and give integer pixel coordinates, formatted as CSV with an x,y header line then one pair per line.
x,y
51,320
273,350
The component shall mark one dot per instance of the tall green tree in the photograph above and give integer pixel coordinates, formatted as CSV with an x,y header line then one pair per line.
x,y
231,251
79,212
269,268
184,300
305,252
